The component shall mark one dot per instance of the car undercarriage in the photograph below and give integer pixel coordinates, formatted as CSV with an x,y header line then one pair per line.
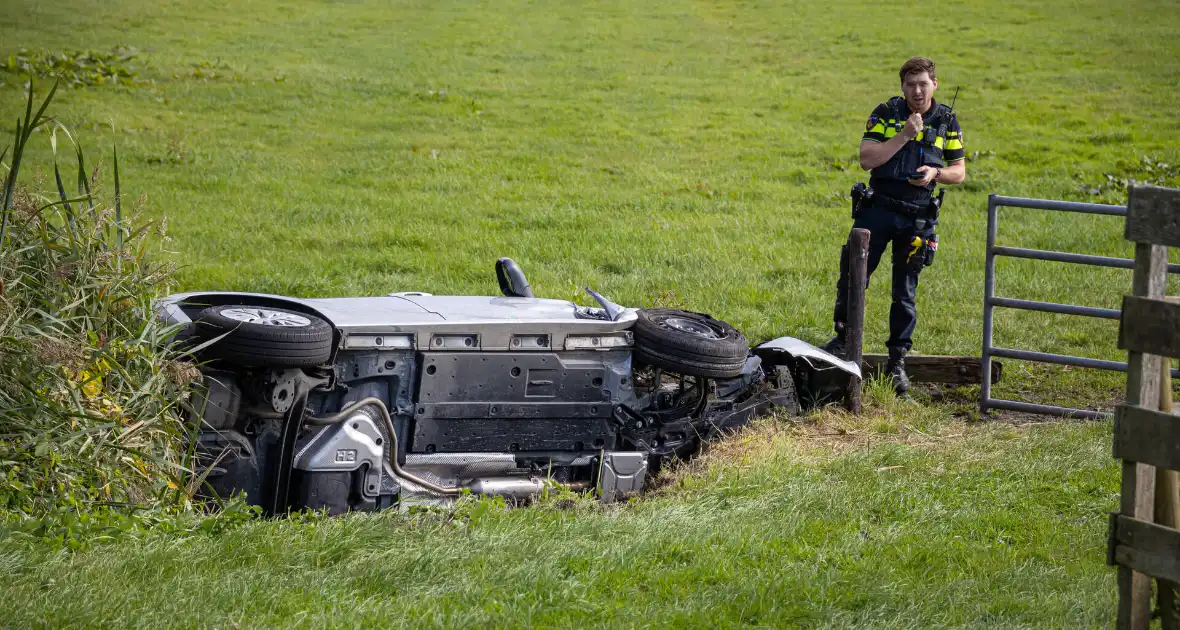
x,y
345,404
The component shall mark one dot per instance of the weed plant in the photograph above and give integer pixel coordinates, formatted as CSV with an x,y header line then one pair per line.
x,y
76,67
90,391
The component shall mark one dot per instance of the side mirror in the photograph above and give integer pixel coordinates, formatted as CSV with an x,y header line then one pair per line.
x,y
511,279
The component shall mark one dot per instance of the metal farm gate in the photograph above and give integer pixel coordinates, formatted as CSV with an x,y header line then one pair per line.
x,y
990,301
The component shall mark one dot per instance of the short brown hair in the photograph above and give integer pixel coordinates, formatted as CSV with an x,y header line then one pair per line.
x,y
917,64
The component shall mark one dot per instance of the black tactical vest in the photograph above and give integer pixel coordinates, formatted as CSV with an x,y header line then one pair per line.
x,y
891,177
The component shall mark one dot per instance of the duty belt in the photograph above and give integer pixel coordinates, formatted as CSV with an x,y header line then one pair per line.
x,y
913,210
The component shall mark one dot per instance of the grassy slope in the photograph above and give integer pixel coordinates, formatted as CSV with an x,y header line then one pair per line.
x,y
693,154
955,526
688,154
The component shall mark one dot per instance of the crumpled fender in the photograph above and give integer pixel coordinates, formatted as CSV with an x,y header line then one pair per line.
x,y
799,349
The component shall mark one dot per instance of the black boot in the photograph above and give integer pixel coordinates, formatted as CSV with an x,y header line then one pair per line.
x,y
896,371
835,346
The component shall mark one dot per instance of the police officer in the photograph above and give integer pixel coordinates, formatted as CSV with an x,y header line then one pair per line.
x,y
911,143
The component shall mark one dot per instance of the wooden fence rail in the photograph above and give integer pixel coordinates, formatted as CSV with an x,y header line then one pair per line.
x,y
1144,543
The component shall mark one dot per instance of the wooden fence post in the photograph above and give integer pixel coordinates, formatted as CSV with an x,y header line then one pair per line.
x,y
1138,486
1144,437
858,272
1167,501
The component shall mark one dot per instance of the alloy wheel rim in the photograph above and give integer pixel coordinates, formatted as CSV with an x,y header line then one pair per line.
x,y
265,317
691,326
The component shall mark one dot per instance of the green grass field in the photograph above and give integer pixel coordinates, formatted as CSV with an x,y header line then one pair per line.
x,y
685,154
1005,528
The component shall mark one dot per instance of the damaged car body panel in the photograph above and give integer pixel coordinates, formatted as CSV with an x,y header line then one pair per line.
x,y
369,403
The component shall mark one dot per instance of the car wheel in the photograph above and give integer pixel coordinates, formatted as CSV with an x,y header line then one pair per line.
x,y
785,395
265,336
689,343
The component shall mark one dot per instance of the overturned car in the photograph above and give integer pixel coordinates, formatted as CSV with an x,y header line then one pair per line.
x,y
368,403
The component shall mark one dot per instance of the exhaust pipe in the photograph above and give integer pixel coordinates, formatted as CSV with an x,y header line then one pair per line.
x,y
508,487
347,412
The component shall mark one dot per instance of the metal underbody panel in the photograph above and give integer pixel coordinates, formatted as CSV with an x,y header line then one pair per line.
x,y
499,395
622,474
519,401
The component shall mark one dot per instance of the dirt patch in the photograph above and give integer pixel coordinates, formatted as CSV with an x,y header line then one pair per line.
x,y
966,402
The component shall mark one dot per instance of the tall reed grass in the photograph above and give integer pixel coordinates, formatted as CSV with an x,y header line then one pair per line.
x,y
91,392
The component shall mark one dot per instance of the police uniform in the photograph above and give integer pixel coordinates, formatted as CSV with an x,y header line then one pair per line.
x,y
899,213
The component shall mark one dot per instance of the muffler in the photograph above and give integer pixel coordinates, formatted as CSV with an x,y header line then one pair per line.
x,y
508,487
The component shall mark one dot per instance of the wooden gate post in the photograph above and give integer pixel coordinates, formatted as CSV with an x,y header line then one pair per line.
x,y
1167,501
1138,486
854,326
1145,438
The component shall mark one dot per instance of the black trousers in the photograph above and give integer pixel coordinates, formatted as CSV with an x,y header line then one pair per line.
x,y
888,228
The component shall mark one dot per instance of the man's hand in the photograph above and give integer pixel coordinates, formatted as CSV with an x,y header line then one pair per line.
x,y
913,126
874,154
928,173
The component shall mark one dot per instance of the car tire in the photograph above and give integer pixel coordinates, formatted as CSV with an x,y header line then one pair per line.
x,y
785,394
264,336
689,343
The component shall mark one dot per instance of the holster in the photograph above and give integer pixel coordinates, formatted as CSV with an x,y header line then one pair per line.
x,y
861,196
923,253
935,205
930,248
